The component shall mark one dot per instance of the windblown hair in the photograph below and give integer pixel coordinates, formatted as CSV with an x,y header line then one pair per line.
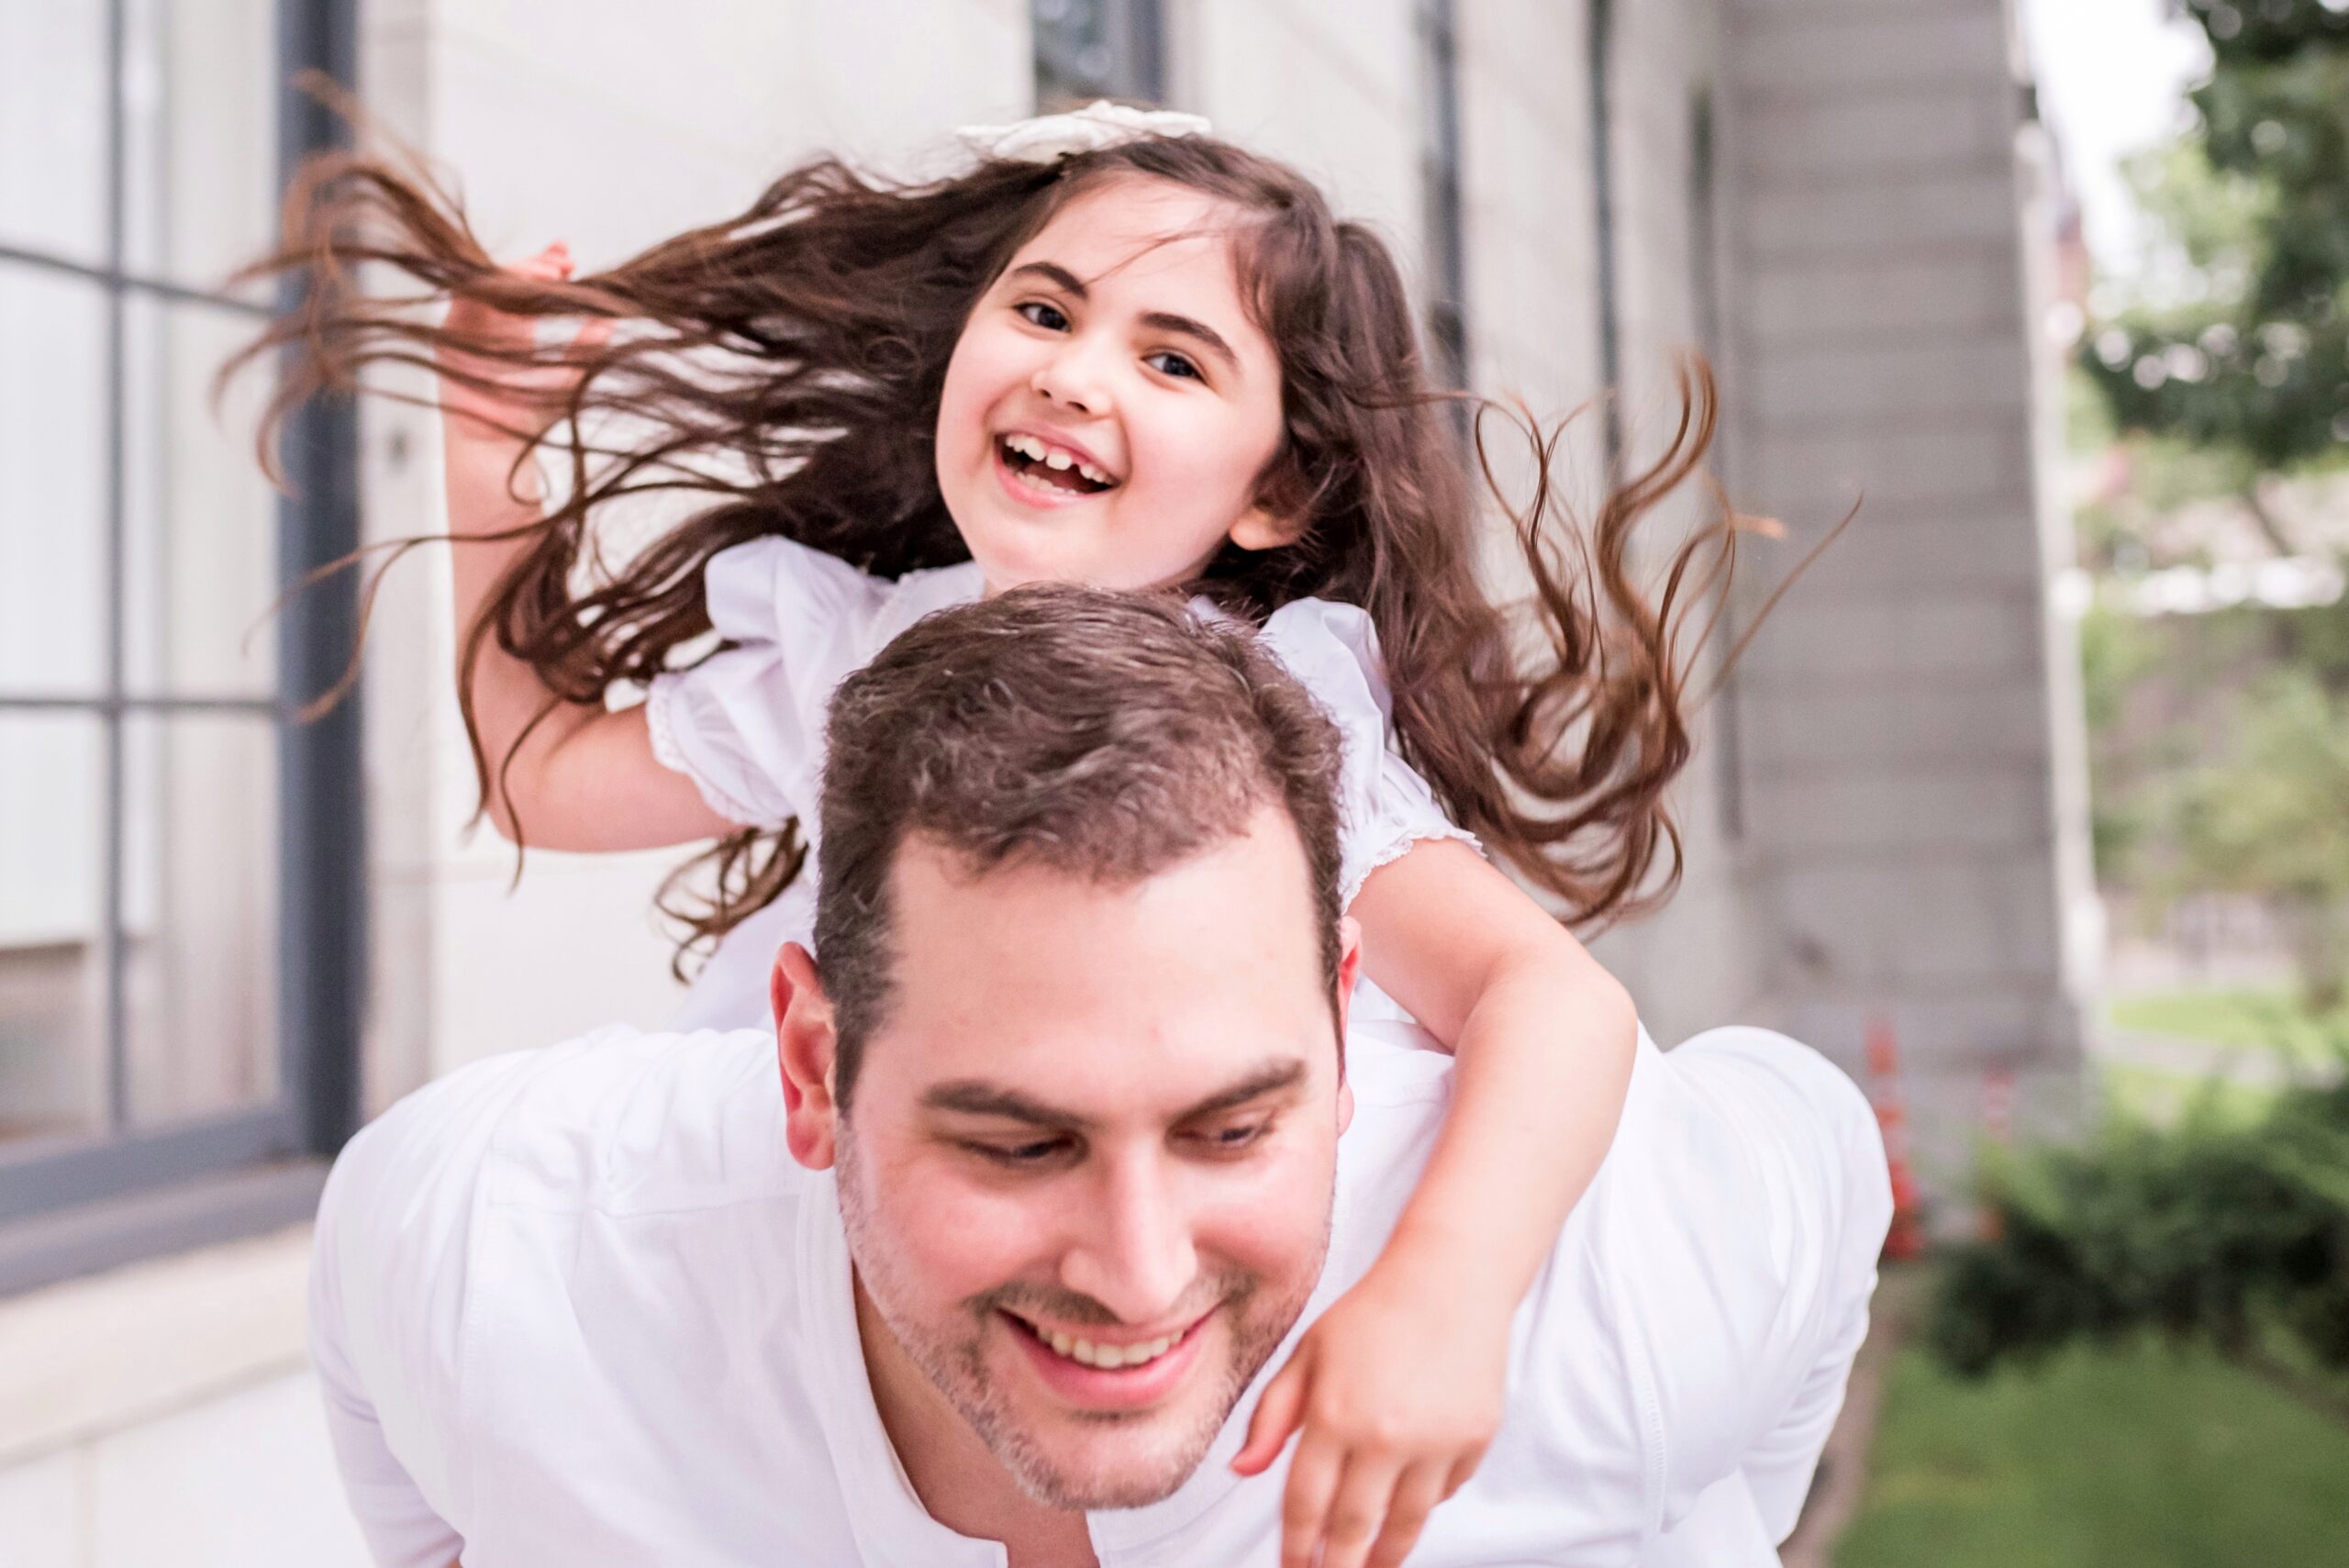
x,y
1105,735
787,363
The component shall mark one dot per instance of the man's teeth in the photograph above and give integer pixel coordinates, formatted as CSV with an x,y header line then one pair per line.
x,y
1052,457
1107,1357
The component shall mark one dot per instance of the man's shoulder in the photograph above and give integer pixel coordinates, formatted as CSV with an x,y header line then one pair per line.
x,y
615,1119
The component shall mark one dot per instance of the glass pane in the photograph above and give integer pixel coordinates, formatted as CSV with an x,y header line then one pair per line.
x,y
53,128
52,482
200,522
200,913
1073,57
200,135
53,924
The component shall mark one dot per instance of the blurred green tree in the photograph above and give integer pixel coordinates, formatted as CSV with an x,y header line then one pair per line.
x,y
2274,819
2238,345
2233,1235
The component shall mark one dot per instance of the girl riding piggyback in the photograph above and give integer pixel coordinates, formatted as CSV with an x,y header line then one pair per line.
x,y
1122,352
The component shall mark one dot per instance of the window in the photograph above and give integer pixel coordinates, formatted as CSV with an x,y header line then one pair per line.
x,y
1705,290
180,857
1440,193
1099,48
1598,66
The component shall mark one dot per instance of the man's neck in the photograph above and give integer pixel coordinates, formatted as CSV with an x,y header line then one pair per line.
x,y
960,1484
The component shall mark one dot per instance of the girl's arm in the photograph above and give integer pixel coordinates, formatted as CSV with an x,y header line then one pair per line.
x,y
583,778
1544,1039
1401,1386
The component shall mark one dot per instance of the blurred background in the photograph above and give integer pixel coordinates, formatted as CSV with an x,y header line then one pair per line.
x,y
2030,805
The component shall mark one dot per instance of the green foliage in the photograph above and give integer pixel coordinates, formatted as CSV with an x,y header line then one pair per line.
x,y
2267,1022
2254,356
2231,1235
2276,817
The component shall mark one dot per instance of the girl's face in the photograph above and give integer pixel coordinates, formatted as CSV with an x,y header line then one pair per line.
x,y
1110,404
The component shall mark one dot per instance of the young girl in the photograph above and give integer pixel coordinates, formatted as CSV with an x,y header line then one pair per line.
x,y
1120,352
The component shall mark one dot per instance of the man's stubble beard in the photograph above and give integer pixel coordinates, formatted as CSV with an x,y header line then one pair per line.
x,y
956,1364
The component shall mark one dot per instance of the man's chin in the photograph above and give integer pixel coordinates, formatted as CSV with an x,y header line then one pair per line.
x,y
1125,1461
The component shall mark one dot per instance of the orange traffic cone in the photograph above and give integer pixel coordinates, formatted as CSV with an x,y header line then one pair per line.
x,y
1906,1238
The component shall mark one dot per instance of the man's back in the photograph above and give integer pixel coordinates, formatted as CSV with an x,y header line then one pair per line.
x,y
582,1305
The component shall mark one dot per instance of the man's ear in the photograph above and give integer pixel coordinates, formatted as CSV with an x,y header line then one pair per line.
x,y
806,1049
1260,529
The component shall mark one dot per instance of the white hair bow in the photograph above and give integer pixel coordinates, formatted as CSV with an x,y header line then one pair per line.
x,y
1097,125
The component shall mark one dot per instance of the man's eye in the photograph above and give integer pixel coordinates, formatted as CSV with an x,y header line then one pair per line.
x,y
1043,316
1235,1138
1168,362
1018,1156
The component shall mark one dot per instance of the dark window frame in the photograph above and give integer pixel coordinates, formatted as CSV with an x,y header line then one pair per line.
x,y
1440,183
1598,64
71,1205
1705,284
1135,48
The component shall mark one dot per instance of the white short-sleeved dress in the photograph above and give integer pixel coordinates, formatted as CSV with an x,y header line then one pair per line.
x,y
747,725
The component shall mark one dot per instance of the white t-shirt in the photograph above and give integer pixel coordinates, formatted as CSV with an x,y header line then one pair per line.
x,y
579,1307
747,725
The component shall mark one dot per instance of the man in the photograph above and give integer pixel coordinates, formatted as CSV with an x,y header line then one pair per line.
x,y
1063,1150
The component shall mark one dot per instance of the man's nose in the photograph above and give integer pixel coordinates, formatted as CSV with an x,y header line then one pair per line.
x,y
1133,1252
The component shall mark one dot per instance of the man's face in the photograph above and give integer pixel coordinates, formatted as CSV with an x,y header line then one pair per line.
x,y
1089,1167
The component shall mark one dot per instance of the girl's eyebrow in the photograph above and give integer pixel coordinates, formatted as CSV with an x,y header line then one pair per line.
x,y
1198,332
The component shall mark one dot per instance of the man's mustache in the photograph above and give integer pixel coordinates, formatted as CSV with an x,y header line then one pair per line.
x,y
1076,1310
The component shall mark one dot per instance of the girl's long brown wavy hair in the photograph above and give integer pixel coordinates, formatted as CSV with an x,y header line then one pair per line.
x,y
786,365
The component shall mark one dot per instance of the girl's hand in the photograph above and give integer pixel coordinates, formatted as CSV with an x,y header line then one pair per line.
x,y
1399,1389
521,401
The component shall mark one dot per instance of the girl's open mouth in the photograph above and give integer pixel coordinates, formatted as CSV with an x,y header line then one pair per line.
x,y
1049,468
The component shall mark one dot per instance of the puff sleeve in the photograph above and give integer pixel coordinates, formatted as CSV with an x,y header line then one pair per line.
x,y
1387,807
747,724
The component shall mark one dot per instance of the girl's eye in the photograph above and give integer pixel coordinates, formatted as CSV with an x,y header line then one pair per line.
x,y
1043,315
1169,362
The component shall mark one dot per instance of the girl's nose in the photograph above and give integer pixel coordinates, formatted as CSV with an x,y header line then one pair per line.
x,y
1073,380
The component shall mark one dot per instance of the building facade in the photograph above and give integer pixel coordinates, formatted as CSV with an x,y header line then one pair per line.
x,y
1884,824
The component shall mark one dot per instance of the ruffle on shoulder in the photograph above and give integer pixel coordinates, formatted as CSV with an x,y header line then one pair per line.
x,y
747,723
1333,649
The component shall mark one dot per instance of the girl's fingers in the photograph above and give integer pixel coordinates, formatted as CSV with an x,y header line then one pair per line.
x,y
1313,1477
1416,1494
1462,1472
1359,1511
1277,1414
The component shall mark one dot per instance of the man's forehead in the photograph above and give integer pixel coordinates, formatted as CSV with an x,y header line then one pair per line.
x,y
1154,993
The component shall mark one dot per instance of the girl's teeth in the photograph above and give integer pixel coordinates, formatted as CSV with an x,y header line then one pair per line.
x,y
1035,451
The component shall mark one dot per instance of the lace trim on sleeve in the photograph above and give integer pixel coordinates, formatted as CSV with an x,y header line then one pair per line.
x,y
1396,849
660,723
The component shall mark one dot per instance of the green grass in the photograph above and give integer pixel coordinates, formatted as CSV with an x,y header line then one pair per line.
x,y
2249,1020
2163,1098
2135,1457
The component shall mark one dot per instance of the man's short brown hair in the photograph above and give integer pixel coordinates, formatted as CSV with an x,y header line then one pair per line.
x,y
1108,735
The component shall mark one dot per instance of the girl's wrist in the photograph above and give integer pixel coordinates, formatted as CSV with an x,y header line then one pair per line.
x,y
1455,1261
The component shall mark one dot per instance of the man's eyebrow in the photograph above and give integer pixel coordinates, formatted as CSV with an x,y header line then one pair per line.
x,y
1199,331
1270,1078
975,1096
